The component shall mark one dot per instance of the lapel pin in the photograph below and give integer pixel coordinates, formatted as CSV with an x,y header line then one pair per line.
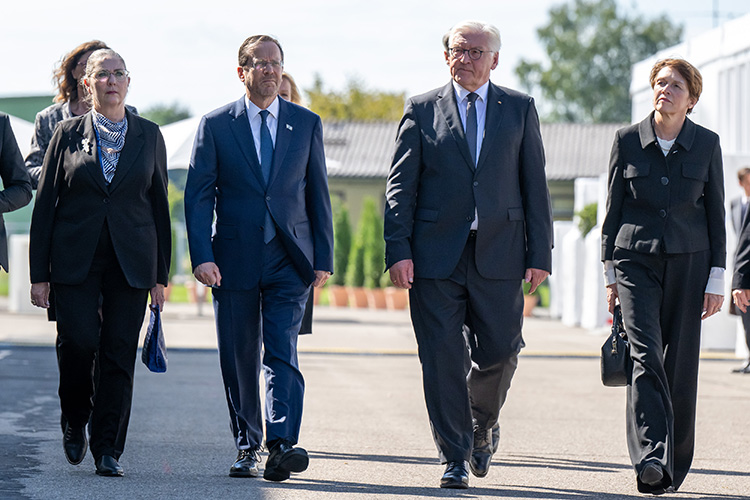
x,y
86,145
499,102
289,127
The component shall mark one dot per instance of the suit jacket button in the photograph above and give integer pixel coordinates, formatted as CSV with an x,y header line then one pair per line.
x,y
268,198
662,213
476,183
665,181
106,200
469,219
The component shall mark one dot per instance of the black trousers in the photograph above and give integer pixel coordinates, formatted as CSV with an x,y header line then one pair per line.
x,y
746,325
461,392
662,299
102,401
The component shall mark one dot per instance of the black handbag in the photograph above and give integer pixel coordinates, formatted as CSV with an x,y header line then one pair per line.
x,y
154,354
616,364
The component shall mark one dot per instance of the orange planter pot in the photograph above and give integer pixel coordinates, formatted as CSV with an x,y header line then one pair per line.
x,y
396,298
357,297
337,296
375,298
529,303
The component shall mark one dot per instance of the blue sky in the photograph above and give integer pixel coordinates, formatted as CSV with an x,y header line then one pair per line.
x,y
187,51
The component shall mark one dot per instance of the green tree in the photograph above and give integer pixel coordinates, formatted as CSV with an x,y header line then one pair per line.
x,y
591,49
342,241
355,102
587,218
374,245
164,114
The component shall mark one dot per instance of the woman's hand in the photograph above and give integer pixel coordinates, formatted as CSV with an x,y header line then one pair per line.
x,y
612,297
40,295
711,304
157,296
741,298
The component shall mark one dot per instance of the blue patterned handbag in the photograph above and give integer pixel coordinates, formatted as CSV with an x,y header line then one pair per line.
x,y
154,354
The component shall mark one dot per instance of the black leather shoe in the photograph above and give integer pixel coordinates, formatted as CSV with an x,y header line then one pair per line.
x,y
246,464
283,459
106,465
744,369
456,476
651,474
495,437
75,444
481,453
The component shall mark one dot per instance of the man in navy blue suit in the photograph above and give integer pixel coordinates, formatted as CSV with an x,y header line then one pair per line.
x,y
258,165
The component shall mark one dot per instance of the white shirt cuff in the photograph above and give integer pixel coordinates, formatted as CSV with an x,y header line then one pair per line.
x,y
715,283
609,273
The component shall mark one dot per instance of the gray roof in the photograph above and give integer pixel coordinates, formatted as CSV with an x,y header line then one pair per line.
x,y
365,149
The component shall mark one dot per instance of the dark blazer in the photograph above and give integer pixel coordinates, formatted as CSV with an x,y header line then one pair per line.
x,y
433,188
225,176
73,203
674,203
16,191
735,211
741,275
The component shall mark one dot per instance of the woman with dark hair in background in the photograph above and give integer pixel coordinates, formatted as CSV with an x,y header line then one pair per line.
x,y
664,250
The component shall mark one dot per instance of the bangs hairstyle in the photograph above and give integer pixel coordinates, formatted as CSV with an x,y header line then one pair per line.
x,y
493,34
249,45
67,85
690,73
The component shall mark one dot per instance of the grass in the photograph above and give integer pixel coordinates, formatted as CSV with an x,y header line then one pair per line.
x,y
3,283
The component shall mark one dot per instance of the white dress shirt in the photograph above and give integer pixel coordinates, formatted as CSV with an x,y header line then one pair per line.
x,y
272,120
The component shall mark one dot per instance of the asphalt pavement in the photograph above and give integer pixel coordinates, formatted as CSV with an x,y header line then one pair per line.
x,y
365,424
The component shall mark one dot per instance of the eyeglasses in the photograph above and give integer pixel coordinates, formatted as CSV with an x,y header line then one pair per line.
x,y
474,54
103,75
260,65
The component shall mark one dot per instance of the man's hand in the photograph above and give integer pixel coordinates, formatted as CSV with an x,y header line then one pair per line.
x,y
402,273
711,304
40,295
320,278
208,274
741,298
535,277
612,297
157,296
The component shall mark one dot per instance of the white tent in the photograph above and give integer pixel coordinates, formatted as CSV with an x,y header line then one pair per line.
x,y
23,131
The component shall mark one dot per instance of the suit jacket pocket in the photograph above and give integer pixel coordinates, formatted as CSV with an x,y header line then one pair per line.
x,y
695,171
426,214
633,170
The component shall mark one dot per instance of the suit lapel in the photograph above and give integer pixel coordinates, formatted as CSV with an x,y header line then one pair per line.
x,y
130,151
88,148
492,119
448,107
240,126
284,129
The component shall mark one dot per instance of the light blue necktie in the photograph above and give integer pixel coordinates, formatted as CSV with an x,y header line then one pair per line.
x,y
471,125
266,159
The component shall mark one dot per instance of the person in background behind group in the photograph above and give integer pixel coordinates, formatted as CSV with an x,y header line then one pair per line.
x,y
259,165
16,192
467,185
738,210
100,233
664,253
70,101
288,90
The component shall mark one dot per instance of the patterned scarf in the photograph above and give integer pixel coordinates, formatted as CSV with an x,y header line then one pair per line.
x,y
111,139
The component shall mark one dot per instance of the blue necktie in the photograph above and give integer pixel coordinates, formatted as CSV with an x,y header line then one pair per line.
x,y
266,159
471,125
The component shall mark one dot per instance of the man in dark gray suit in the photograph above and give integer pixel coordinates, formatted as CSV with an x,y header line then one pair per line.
x,y
16,192
467,219
738,209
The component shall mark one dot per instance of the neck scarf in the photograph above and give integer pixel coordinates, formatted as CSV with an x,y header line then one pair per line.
x,y
110,138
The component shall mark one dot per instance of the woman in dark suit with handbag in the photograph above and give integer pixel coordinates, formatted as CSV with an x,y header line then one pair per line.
x,y
100,231
664,249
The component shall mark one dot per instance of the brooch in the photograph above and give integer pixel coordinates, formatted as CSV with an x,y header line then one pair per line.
x,y
86,145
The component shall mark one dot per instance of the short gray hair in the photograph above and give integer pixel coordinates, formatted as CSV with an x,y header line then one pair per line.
x,y
98,56
493,34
